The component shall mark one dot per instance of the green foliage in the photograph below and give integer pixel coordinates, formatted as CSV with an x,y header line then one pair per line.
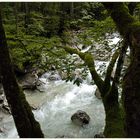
x,y
36,28
10,28
98,30
36,46
95,10
18,58
51,25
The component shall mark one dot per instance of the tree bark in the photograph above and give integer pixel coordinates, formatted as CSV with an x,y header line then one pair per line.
x,y
25,122
114,127
114,111
131,91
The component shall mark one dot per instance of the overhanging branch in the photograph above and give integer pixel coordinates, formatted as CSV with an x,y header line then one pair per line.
x,y
89,61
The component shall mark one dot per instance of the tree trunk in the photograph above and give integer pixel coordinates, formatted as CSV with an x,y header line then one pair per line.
x,y
114,127
71,9
16,16
129,29
131,90
114,111
62,18
25,122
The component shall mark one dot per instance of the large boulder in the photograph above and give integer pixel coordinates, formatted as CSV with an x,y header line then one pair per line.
x,y
30,78
80,118
29,86
29,81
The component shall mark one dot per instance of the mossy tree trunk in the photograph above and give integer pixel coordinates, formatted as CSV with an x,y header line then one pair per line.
x,y
114,111
129,28
131,87
114,122
25,122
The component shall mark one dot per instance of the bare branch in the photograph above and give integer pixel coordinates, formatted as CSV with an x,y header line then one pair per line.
x,y
110,69
119,67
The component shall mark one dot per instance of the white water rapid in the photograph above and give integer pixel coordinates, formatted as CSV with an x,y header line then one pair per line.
x,y
56,104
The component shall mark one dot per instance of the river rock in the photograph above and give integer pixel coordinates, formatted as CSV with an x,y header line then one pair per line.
x,y
100,135
52,75
1,130
29,86
80,118
29,81
63,75
98,94
31,77
6,109
1,99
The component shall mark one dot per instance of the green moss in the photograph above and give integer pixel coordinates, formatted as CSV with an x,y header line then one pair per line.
x,y
114,122
114,115
121,16
89,59
70,50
